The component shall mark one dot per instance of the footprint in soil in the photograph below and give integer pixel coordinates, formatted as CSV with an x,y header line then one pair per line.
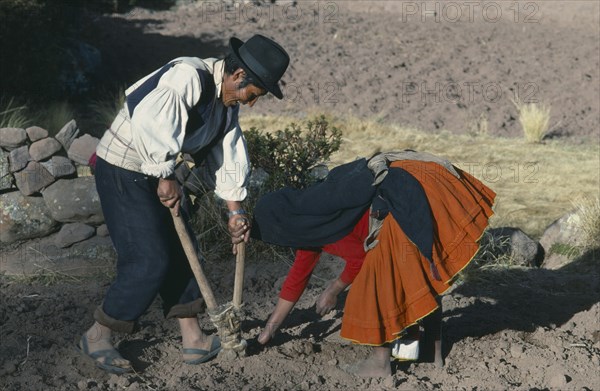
x,y
136,349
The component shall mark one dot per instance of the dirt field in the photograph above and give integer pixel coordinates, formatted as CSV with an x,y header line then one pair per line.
x,y
520,329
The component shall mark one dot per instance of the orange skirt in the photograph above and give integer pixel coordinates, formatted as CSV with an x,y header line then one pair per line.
x,y
395,287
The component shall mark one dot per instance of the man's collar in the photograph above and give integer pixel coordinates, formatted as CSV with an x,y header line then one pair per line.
x,y
218,73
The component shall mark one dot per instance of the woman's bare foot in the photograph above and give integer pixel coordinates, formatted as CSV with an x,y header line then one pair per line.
x,y
376,365
97,339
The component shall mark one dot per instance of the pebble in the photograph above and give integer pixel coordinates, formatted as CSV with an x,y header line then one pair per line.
x,y
8,368
389,382
558,381
516,350
333,362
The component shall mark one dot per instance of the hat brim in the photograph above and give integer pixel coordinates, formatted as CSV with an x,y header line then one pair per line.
x,y
234,45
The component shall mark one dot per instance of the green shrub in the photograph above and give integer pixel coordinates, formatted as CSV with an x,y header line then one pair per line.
x,y
289,155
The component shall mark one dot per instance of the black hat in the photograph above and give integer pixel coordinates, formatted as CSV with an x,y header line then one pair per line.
x,y
263,59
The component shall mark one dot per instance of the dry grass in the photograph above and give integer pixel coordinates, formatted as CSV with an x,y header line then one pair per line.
x,y
55,116
479,126
535,183
588,211
534,120
105,110
13,114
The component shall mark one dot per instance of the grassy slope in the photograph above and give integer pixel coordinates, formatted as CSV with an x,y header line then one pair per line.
x,y
535,183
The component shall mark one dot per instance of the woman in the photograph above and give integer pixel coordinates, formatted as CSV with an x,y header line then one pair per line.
x,y
427,217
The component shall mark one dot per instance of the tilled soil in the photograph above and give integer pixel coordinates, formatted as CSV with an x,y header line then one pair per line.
x,y
524,329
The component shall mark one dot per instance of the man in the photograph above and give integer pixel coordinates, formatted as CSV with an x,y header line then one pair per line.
x,y
190,105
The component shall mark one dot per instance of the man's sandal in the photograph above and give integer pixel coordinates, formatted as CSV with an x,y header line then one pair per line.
x,y
215,348
109,355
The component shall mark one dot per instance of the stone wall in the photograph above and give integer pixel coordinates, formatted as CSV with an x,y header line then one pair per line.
x,y
46,185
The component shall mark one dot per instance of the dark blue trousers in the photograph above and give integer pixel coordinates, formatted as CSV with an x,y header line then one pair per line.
x,y
150,258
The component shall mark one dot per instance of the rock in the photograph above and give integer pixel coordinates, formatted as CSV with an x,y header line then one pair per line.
x,y
18,158
513,243
33,178
43,149
6,180
555,261
564,230
36,133
67,134
24,217
82,149
11,138
258,178
102,231
74,201
319,172
59,166
562,241
85,258
73,233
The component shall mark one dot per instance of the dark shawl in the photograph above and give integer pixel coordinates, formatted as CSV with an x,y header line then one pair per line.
x,y
402,195
318,215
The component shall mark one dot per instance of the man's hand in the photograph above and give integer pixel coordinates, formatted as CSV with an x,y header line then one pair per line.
x,y
328,299
169,193
238,224
239,229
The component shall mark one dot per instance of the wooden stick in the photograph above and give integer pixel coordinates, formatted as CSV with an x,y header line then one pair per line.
x,y
192,256
238,284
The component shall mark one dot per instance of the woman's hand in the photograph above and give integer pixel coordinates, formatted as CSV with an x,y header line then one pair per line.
x,y
326,302
169,193
328,299
268,332
281,311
